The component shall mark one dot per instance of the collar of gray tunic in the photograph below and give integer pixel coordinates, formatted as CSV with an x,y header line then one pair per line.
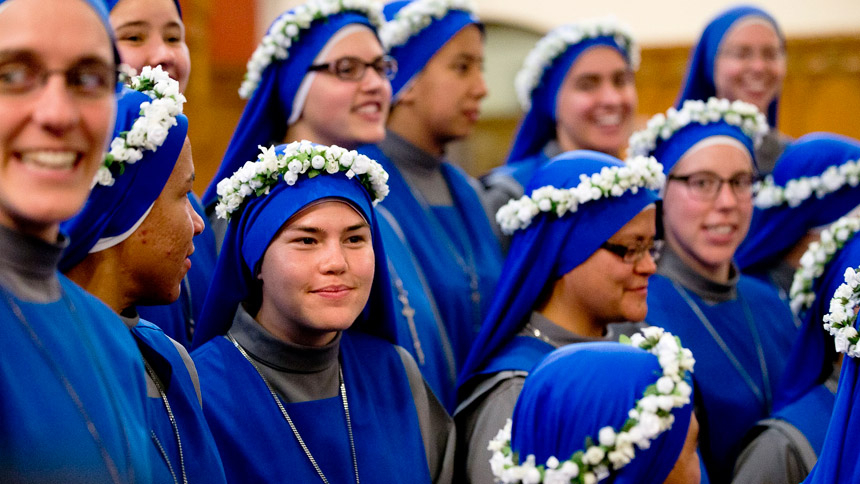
x,y
28,266
558,336
552,149
420,169
297,373
713,292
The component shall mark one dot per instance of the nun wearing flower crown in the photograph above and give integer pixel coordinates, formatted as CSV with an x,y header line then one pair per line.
x,y
438,45
738,327
71,378
131,244
741,56
299,374
577,421
578,90
812,186
151,33
837,461
581,255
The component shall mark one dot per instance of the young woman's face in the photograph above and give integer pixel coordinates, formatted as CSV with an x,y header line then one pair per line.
x,y
151,33
317,274
596,103
57,109
750,64
604,289
347,113
706,232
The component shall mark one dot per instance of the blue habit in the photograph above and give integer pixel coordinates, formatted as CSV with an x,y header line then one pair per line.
x,y
260,447
43,433
201,459
462,301
728,403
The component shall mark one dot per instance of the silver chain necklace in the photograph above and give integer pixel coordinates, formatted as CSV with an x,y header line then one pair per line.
x,y
290,420
173,424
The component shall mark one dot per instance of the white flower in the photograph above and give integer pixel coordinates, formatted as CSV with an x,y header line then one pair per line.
x,y
593,456
839,322
415,17
606,436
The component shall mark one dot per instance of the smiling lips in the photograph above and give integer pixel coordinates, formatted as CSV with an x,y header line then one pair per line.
x,y
337,291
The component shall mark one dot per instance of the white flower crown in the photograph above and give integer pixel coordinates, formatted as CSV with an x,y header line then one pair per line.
x,y
737,113
558,40
256,178
816,258
149,130
415,17
798,190
651,416
287,29
839,322
639,172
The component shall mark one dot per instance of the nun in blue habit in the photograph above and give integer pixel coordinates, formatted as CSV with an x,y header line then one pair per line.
x,y
536,139
182,446
701,73
277,404
737,326
518,332
72,407
575,398
434,202
783,219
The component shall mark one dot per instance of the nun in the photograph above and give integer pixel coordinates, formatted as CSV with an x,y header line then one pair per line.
x,y
741,56
583,250
72,379
131,244
296,363
738,327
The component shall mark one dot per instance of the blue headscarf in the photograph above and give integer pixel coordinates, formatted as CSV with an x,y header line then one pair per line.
x,y
579,389
775,230
112,3
417,51
700,73
250,233
670,151
538,126
112,213
549,248
264,120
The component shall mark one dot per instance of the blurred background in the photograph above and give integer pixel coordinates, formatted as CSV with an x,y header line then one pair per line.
x,y
821,93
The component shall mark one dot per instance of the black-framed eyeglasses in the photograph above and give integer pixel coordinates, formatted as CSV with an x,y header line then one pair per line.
x,y
353,68
634,254
86,79
705,185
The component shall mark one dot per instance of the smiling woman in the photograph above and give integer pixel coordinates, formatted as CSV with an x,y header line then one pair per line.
x,y
72,381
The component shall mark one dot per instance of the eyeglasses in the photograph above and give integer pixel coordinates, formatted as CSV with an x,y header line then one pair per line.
x,y
85,79
705,185
353,68
744,54
634,254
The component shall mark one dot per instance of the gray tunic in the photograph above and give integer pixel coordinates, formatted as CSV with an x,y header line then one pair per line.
x,y
28,266
480,417
303,373
671,266
769,151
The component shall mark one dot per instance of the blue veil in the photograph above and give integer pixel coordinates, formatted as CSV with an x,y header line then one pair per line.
x,y
549,248
112,3
699,83
579,389
775,230
670,151
114,211
264,120
253,228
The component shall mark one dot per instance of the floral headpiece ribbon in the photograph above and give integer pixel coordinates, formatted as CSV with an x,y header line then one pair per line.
x,y
414,17
149,130
639,172
300,158
798,190
651,416
839,322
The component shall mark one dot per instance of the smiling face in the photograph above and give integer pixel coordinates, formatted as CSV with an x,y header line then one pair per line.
x,y
443,102
596,103
604,289
750,64
706,233
343,112
317,274
52,136
156,255
151,33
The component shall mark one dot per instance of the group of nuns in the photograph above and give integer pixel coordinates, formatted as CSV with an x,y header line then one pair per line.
x,y
671,305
